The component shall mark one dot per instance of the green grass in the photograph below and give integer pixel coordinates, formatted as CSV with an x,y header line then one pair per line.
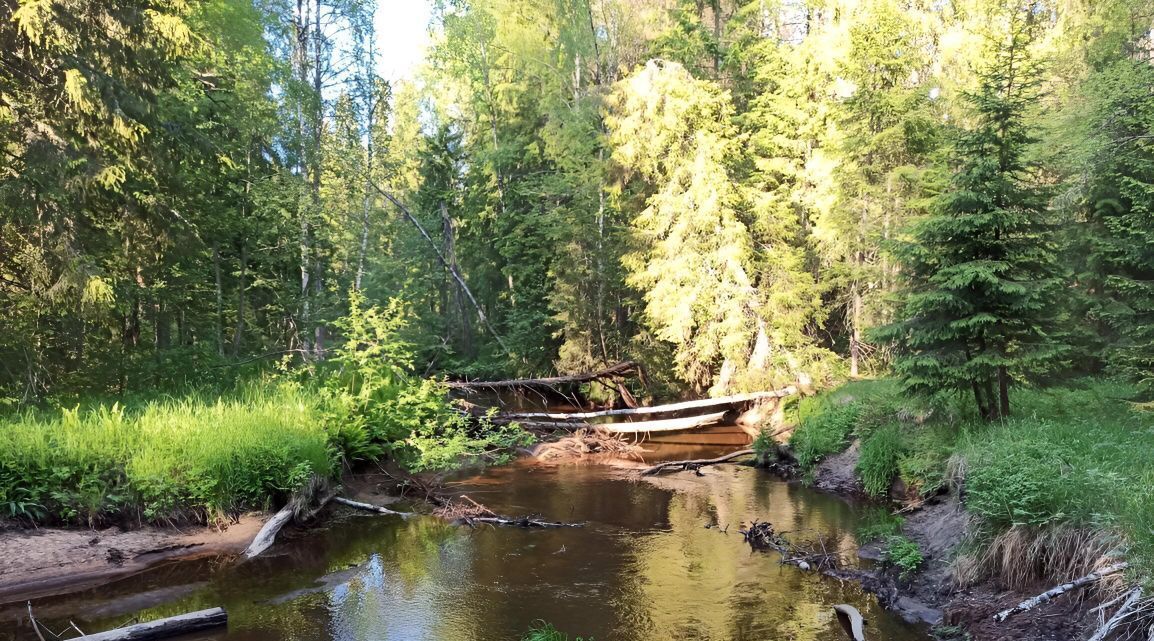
x,y
189,459
1078,456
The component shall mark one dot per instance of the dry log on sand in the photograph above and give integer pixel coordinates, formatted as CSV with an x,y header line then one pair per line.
x,y
165,628
1057,591
655,409
851,621
694,463
267,535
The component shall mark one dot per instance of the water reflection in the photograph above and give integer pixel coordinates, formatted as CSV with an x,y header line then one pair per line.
x,y
645,567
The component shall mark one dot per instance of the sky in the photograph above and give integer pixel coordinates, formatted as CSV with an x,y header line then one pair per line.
x,y
402,29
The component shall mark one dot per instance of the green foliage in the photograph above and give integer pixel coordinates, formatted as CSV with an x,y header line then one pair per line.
x,y
189,460
878,523
878,464
374,406
983,278
542,631
824,430
903,554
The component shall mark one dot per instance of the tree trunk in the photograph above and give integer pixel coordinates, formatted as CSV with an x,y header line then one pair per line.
x,y
1003,391
238,333
855,330
219,299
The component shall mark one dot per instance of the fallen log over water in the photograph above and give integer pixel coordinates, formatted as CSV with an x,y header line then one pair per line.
x,y
165,628
472,512
655,409
694,463
618,370
635,427
1057,591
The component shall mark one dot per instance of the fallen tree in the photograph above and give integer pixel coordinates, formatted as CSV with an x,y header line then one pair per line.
x,y
694,463
619,370
165,628
654,409
1059,590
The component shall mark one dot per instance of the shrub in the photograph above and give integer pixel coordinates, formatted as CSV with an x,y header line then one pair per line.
x,y
903,554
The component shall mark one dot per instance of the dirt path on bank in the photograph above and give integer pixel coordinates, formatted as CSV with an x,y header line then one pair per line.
x,y
46,561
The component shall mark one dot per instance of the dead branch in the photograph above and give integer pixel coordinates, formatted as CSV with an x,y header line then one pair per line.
x,y
1124,611
369,507
1057,591
267,535
470,512
620,369
693,464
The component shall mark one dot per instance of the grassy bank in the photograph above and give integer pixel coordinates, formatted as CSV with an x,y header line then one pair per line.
x,y
198,459
1071,468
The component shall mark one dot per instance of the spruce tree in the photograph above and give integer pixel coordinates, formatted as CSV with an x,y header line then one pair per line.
x,y
981,266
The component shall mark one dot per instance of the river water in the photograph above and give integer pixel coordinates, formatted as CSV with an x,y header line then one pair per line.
x,y
644,567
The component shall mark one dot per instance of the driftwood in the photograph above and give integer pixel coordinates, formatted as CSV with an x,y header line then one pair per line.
x,y
165,628
585,442
369,507
851,621
1125,610
469,512
655,409
693,464
1057,591
267,535
620,369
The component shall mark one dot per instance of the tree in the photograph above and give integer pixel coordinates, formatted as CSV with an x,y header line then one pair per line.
x,y
982,271
692,250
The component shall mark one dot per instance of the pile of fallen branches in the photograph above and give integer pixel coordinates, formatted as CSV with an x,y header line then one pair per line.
x,y
807,554
587,441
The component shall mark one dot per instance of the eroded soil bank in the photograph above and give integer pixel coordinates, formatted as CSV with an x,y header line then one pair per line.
x,y
939,527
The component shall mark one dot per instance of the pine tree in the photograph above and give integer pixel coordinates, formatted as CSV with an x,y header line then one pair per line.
x,y
982,266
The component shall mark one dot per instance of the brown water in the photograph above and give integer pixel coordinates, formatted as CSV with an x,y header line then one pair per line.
x,y
644,567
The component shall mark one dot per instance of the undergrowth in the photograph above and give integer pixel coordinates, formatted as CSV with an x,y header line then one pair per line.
x,y
201,458
1073,458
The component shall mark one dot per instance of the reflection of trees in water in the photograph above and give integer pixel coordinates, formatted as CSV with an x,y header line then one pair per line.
x,y
645,568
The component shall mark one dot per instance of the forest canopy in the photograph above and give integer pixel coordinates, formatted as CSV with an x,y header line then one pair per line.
x,y
735,193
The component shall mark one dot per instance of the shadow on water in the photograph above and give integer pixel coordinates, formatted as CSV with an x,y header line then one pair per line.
x,y
645,567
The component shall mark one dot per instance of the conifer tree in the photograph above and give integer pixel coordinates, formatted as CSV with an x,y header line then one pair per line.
x,y
981,267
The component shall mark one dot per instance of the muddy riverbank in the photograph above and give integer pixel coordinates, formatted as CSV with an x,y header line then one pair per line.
x,y
940,527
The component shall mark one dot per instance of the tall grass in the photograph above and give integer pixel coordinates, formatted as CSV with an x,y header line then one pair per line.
x,y
188,459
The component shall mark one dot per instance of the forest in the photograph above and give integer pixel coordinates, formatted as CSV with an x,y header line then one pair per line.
x,y
235,257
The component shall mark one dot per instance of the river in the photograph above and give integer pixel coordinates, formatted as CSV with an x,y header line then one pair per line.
x,y
645,567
